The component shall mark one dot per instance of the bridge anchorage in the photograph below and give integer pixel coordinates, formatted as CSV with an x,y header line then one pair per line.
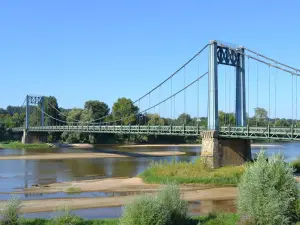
x,y
224,142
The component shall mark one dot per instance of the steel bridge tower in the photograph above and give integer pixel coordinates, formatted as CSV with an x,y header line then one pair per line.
x,y
220,54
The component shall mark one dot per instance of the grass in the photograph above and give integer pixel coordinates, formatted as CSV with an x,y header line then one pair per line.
x,y
73,190
19,145
219,219
187,172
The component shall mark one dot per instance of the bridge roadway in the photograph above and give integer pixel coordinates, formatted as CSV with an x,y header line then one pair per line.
x,y
273,133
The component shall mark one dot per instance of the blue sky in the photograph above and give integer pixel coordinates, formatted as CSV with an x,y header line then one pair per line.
x,y
83,50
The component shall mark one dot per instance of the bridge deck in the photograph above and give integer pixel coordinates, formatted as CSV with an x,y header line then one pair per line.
x,y
275,133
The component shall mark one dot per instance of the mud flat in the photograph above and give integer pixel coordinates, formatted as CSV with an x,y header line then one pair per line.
x,y
90,155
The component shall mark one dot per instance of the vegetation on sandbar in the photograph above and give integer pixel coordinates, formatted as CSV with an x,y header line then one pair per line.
x,y
186,172
19,145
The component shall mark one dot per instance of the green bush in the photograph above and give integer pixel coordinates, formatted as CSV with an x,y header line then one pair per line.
x,y
164,209
296,165
11,214
267,193
68,218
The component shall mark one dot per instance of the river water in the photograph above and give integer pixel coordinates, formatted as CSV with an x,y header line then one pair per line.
x,y
18,174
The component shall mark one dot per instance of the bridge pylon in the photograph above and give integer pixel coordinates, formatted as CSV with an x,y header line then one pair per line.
x,y
221,54
218,151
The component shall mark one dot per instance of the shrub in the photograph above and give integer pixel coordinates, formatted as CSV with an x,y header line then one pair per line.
x,y
11,214
164,209
267,193
296,165
68,218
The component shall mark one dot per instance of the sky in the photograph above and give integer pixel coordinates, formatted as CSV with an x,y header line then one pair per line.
x,y
104,50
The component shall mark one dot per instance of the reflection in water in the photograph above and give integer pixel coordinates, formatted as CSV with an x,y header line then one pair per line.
x,y
206,207
19,174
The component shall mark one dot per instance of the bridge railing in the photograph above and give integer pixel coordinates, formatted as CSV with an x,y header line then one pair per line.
x,y
280,133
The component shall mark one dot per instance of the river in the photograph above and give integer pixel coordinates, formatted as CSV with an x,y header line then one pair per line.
x,y
18,174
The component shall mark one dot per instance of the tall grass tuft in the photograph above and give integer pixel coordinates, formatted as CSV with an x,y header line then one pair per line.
x,y
164,209
267,193
11,214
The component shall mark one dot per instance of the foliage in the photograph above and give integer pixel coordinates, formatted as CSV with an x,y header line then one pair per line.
x,y
73,190
67,218
164,209
219,219
124,112
296,165
94,110
155,119
226,118
214,219
267,193
19,145
187,172
11,214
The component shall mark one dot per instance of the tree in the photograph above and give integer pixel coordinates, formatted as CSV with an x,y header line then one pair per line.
x,y
260,113
74,115
184,118
94,110
124,112
155,119
226,118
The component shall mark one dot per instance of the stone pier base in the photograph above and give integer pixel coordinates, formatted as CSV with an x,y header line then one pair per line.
x,y
217,152
29,138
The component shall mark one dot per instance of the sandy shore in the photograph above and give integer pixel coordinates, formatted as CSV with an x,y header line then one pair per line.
x,y
134,184
158,145
45,205
90,155
190,145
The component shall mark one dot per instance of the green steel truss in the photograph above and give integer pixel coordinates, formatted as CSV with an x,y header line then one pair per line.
x,y
275,133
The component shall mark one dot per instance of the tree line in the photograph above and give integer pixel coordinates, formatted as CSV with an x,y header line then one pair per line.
x,y
123,112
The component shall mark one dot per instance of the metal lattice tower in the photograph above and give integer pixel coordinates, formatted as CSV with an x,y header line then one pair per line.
x,y
219,54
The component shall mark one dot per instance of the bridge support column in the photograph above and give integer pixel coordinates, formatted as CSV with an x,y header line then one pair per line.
x,y
240,95
213,118
29,138
217,152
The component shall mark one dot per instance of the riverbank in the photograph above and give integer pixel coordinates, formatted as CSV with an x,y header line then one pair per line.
x,y
217,219
47,205
91,155
19,145
190,145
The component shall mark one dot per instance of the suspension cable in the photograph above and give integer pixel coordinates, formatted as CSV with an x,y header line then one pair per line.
x,y
292,100
269,94
257,90
248,102
275,105
285,65
153,89
264,62
170,97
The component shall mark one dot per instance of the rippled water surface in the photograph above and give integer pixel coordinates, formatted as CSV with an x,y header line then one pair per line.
x,y
19,174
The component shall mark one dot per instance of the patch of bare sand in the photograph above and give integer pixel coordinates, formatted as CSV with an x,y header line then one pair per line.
x,y
90,155
159,145
45,205
134,184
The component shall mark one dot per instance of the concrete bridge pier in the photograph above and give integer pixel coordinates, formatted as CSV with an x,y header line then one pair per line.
x,y
217,152
29,138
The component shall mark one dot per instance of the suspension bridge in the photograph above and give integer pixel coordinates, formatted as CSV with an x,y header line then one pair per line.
x,y
253,81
